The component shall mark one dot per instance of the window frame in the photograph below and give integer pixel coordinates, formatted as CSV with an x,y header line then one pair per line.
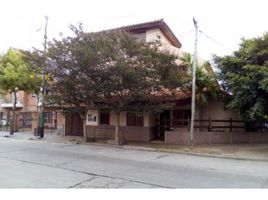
x,y
104,117
183,113
134,119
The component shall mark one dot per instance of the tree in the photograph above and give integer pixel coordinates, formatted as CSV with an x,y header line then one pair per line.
x,y
109,70
244,75
16,76
206,80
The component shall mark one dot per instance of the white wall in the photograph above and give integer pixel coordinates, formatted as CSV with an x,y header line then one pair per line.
x,y
93,117
152,35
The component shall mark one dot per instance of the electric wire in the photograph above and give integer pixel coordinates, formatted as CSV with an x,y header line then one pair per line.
x,y
214,40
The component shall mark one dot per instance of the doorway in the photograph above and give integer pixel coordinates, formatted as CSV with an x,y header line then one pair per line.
x,y
163,124
74,125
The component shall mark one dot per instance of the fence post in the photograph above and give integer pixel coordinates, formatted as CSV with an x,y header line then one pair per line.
x,y
209,124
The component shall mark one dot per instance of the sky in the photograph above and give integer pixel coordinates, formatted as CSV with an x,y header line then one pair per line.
x,y
222,23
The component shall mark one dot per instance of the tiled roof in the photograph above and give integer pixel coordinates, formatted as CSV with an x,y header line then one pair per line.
x,y
171,95
136,28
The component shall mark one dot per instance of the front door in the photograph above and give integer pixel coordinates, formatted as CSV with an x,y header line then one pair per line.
x,y
73,125
163,124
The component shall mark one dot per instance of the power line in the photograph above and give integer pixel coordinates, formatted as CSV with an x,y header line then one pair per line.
x,y
214,40
186,33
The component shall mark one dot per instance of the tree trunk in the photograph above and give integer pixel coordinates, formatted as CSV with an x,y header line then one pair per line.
x,y
84,125
116,135
38,116
12,126
83,116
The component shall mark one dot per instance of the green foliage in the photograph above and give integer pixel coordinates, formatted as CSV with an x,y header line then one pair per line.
x,y
109,70
206,81
245,76
15,74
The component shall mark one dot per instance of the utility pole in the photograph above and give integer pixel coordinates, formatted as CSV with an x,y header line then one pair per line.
x,y
193,84
41,124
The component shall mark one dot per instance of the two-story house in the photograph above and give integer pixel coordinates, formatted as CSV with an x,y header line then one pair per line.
x,y
168,125
216,124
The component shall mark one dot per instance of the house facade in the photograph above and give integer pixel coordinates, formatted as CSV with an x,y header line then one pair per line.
x,y
170,126
214,124
26,118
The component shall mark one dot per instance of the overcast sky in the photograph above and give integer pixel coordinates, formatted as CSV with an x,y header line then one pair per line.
x,y
223,22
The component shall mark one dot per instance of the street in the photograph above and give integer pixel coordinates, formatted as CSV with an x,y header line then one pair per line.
x,y
38,164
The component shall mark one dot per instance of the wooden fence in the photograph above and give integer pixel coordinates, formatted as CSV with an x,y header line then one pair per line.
x,y
211,124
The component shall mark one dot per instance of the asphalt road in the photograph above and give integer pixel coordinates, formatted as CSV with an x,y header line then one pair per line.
x,y
37,164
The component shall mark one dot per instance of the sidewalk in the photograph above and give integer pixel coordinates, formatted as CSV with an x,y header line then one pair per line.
x,y
253,152
48,137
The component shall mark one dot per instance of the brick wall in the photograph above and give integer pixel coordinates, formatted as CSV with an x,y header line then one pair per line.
x,y
181,137
129,133
178,136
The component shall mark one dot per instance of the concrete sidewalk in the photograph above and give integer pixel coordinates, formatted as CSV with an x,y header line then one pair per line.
x,y
48,137
257,152
253,152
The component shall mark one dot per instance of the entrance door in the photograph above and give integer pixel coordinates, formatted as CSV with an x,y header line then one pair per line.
x,y
73,125
164,124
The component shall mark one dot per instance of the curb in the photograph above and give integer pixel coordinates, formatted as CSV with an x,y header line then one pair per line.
x,y
138,148
143,148
216,156
196,154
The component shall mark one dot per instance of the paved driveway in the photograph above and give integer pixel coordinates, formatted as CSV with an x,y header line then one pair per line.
x,y
37,164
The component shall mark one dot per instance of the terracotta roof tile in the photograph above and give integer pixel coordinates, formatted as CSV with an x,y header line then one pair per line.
x,y
168,94
135,28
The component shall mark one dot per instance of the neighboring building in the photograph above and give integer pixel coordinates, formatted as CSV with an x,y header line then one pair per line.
x,y
27,113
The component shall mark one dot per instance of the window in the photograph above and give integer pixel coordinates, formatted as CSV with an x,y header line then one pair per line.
x,y
26,119
104,117
91,117
50,119
181,117
134,119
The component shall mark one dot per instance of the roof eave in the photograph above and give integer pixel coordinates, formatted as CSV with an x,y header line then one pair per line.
x,y
136,28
